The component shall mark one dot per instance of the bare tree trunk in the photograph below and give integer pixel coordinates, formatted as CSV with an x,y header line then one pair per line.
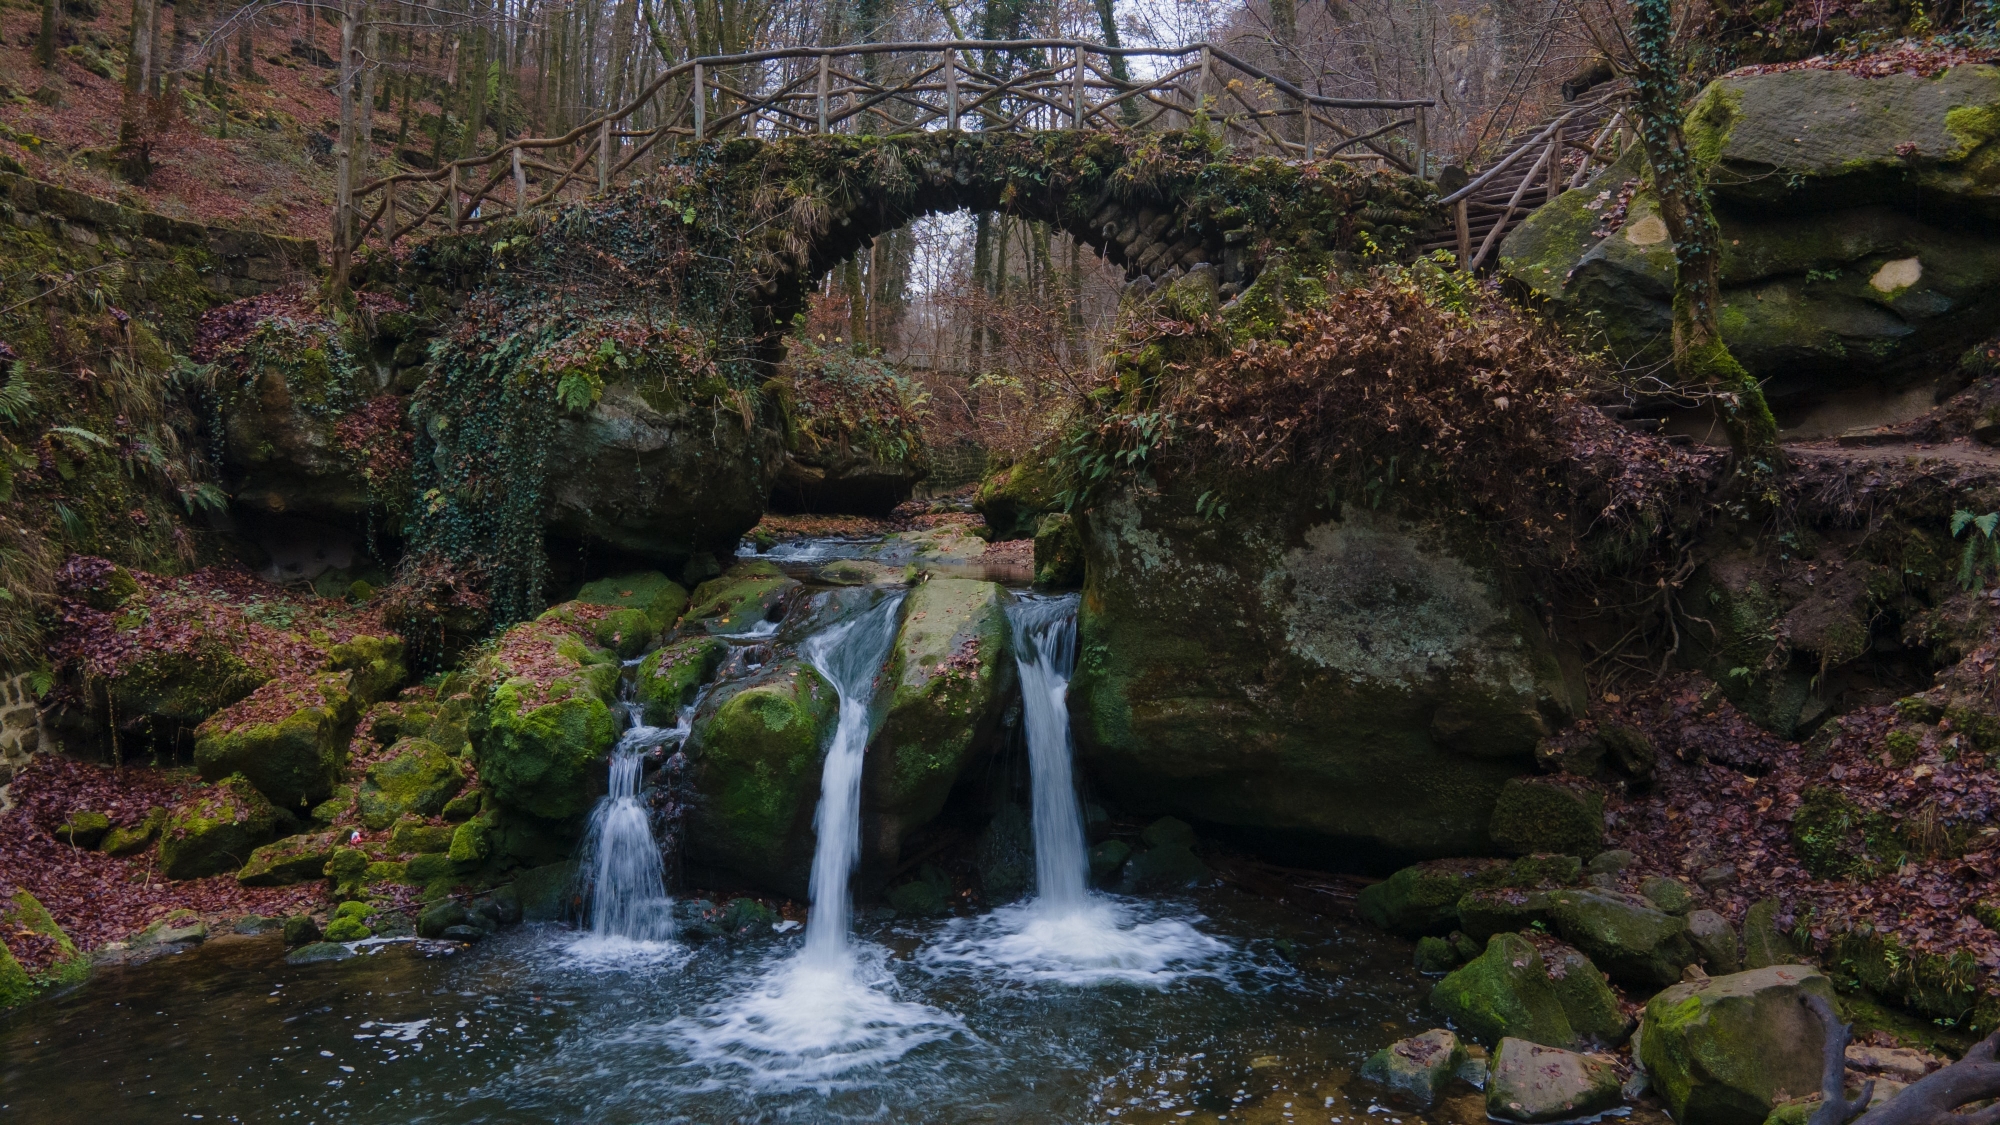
x,y
45,46
343,153
246,52
134,155
475,78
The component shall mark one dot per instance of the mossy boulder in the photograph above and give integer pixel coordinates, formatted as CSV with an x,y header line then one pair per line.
x,y
660,598
745,596
1714,941
22,913
1483,913
668,679
83,829
1015,497
415,836
1838,268
544,719
416,779
1546,814
1529,1082
374,665
1625,935
294,859
1423,898
289,738
183,688
755,764
1167,867
950,677
471,842
1670,895
1416,1070
1541,991
215,830
1058,552
1764,940
124,840
1342,686
1727,1049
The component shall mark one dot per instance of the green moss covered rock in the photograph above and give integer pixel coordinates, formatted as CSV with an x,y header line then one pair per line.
x,y
1058,552
661,599
755,763
1625,935
1727,1049
374,665
23,913
471,842
1538,990
347,929
124,840
289,738
745,596
1714,941
417,779
295,859
1764,940
1483,913
183,688
667,680
415,836
1423,898
1015,497
1546,814
950,677
216,830
544,719
83,829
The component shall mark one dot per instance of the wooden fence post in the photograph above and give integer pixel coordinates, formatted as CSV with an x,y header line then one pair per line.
x,y
822,91
520,185
1464,238
951,89
1307,108
603,157
1076,94
1555,164
700,106
1201,83
1423,147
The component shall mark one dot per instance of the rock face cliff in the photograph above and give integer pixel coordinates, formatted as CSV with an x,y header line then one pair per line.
x,y
1334,683
1860,221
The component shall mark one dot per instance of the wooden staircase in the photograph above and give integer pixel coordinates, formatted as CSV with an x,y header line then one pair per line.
x,y
1560,153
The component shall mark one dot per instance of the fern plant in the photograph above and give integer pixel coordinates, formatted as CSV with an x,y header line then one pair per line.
x,y
1982,551
17,399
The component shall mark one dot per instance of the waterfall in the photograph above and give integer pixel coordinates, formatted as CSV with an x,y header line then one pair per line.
x,y
621,869
849,655
1045,652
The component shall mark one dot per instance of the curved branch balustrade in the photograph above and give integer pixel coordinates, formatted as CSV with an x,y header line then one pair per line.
x,y
882,88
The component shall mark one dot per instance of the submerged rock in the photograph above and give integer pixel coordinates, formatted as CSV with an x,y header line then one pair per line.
x,y
1529,1082
1416,1070
1726,1049
216,830
950,677
318,951
1541,991
754,763
1341,684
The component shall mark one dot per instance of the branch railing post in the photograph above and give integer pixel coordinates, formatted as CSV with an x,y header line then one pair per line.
x,y
700,104
1423,146
520,185
1555,164
1307,109
824,64
604,156
389,231
951,89
1076,91
452,204
1201,82
1464,236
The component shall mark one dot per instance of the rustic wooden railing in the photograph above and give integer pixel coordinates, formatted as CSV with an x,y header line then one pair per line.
x,y
1496,200
997,85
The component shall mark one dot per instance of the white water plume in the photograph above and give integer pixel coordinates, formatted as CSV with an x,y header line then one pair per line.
x,y
1065,934
631,914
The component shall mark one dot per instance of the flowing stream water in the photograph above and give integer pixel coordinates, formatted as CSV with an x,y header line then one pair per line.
x,y
623,876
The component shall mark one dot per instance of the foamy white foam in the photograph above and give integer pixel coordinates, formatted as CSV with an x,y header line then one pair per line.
x,y
812,1023
1098,941
616,953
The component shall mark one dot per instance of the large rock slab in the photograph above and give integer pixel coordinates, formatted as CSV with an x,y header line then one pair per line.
x,y
1723,1051
1529,1082
1858,232
1541,991
1336,685
754,758
544,721
289,738
951,675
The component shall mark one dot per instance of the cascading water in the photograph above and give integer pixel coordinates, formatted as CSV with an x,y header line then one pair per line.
x,y
623,875
1045,652
826,1013
1065,933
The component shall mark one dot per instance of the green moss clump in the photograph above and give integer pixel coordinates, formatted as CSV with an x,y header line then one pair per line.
x,y
23,913
216,830
419,779
83,829
1013,498
1546,815
471,842
375,666
755,754
668,679
348,869
1511,991
347,929
1946,989
1058,552
133,839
